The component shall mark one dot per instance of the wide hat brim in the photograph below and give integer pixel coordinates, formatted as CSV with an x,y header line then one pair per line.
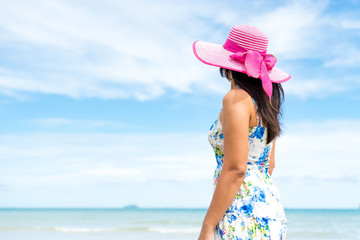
x,y
216,55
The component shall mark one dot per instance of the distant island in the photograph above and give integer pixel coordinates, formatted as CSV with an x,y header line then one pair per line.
x,y
131,207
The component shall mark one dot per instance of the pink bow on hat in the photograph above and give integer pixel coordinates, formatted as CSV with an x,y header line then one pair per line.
x,y
257,66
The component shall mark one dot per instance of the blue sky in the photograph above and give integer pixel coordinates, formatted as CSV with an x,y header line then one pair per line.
x,y
104,104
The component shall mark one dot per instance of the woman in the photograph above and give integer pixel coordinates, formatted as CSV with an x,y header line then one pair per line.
x,y
246,202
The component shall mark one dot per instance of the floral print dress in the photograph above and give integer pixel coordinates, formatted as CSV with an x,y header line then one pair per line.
x,y
256,212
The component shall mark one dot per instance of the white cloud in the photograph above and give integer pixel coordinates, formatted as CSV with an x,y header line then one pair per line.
x,y
87,54
103,51
325,149
78,124
310,157
293,28
317,164
317,88
350,24
112,172
127,168
156,156
348,57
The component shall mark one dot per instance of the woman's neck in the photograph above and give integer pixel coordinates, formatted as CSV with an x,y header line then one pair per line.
x,y
233,86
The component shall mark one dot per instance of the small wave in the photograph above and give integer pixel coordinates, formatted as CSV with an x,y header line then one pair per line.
x,y
84,230
175,230
59,229
63,229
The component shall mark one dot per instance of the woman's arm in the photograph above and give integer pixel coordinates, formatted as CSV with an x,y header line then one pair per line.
x,y
236,115
272,159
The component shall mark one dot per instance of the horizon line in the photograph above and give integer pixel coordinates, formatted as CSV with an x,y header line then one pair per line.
x,y
134,207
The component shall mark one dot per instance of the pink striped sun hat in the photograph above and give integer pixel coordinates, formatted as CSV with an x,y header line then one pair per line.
x,y
245,50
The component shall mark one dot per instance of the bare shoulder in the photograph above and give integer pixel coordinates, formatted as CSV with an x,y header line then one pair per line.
x,y
236,113
238,98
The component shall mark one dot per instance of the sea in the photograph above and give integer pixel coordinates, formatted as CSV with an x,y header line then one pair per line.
x,y
158,224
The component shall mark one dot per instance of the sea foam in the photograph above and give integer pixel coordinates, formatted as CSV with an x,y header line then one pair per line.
x,y
174,230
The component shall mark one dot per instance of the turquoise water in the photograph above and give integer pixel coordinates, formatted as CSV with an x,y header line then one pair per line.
x,y
158,224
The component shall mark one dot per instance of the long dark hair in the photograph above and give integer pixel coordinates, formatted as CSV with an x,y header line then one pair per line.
x,y
270,115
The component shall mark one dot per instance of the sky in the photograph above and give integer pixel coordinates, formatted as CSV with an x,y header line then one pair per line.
x,y
103,104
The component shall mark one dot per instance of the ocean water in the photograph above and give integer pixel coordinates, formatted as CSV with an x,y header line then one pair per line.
x,y
158,224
